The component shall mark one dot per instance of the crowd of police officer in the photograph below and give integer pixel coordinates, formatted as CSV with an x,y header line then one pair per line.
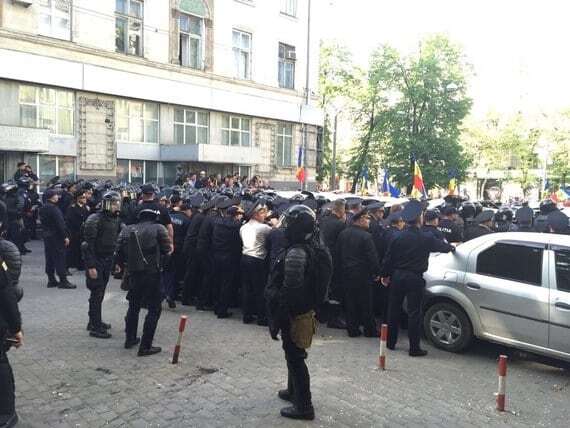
x,y
215,247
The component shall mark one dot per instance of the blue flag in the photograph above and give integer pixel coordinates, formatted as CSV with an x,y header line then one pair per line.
x,y
388,188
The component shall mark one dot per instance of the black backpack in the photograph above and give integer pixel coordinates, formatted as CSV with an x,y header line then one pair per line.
x,y
319,271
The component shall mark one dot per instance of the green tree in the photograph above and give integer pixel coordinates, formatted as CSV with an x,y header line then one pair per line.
x,y
559,170
336,77
431,89
412,105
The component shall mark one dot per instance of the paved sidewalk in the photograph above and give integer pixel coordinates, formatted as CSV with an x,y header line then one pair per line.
x,y
229,374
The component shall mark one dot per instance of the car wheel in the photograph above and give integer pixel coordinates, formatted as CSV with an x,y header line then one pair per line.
x,y
447,326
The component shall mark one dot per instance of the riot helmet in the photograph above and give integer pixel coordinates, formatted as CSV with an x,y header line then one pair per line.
x,y
111,203
547,206
298,223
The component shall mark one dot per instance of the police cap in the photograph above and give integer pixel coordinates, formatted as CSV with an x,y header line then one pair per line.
x,y
431,215
359,214
395,217
412,211
353,201
448,210
50,193
148,189
485,216
375,206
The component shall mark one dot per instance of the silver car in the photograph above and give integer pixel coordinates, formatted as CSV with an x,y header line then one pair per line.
x,y
508,288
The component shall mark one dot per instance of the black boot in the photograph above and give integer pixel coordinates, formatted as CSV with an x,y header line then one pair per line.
x,y
104,325
52,282
293,412
149,351
129,343
65,284
100,334
9,421
285,395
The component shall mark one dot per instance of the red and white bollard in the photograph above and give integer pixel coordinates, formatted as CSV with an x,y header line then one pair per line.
x,y
502,383
383,341
181,327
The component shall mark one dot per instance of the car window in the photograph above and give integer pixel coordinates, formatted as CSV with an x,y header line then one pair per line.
x,y
514,262
563,269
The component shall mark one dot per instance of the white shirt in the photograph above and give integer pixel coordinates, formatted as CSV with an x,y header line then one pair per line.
x,y
253,235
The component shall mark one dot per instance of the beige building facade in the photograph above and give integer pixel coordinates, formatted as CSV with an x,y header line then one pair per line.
x,y
135,90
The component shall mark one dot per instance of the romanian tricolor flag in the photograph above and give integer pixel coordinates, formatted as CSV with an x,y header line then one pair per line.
x,y
300,174
418,190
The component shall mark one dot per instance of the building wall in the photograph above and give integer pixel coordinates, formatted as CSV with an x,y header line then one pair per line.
x,y
89,65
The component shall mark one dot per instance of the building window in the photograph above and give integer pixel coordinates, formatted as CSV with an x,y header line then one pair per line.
x,y
129,26
190,127
55,18
244,171
289,7
191,41
284,144
287,58
47,167
136,171
46,108
236,131
241,43
503,261
137,122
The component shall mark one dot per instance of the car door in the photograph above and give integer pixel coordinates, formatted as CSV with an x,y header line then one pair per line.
x,y
559,330
507,283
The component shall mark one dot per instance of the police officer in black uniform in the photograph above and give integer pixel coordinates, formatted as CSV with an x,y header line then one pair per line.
x,y
431,221
10,323
541,222
56,239
558,222
149,202
482,225
193,276
206,258
452,231
173,274
403,269
524,217
226,248
359,267
141,246
331,226
75,216
290,293
100,234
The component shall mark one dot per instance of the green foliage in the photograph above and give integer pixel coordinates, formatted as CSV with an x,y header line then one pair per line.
x,y
336,78
509,146
412,106
559,170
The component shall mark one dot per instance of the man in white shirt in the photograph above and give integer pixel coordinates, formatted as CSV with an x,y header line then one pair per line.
x,y
254,264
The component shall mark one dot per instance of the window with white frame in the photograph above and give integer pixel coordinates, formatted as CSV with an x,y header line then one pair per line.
x,y
47,167
137,122
46,108
284,144
287,58
55,18
190,126
191,41
236,131
136,171
241,43
129,26
289,7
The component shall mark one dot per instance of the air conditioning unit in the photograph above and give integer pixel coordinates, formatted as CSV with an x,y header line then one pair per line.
x,y
25,3
291,55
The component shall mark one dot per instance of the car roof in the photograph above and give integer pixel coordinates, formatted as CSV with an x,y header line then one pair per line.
x,y
529,237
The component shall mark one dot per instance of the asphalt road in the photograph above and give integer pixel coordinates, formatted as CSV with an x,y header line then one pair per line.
x,y
229,374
